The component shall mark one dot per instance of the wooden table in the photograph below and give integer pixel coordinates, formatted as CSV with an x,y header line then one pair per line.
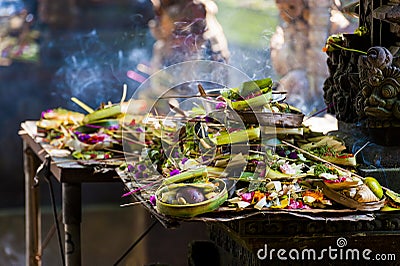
x,y
70,175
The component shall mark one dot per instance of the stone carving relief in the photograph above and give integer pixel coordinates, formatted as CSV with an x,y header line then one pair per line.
x,y
364,83
379,98
342,85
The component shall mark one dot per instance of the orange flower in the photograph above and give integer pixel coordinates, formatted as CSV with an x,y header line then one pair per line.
x,y
258,195
317,195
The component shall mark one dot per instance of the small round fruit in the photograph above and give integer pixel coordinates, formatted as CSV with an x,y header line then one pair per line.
x,y
374,185
190,195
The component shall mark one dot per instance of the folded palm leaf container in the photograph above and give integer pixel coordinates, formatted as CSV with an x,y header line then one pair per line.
x,y
349,202
187,210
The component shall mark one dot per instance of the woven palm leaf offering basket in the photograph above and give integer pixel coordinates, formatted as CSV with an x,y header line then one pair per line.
x,y
188,200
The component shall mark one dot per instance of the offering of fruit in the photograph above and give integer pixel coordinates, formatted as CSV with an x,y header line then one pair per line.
x,y
191,199
374,185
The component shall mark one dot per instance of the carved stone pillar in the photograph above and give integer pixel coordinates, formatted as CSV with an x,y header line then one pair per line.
x,y
364,82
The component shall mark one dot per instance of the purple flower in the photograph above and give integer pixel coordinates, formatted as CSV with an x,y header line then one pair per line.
x,y
174,172
83,137
263,173
294,205
248,196
153,200
293,155
141,167
139,130
261,163
184,160
114,127
138,175
130,167
43,115
208,119
281,152
220,105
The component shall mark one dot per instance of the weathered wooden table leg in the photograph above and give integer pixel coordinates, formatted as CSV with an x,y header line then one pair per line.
x,y
72,217
33,249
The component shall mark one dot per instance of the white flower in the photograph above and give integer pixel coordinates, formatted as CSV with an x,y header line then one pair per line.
x,y
287,169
